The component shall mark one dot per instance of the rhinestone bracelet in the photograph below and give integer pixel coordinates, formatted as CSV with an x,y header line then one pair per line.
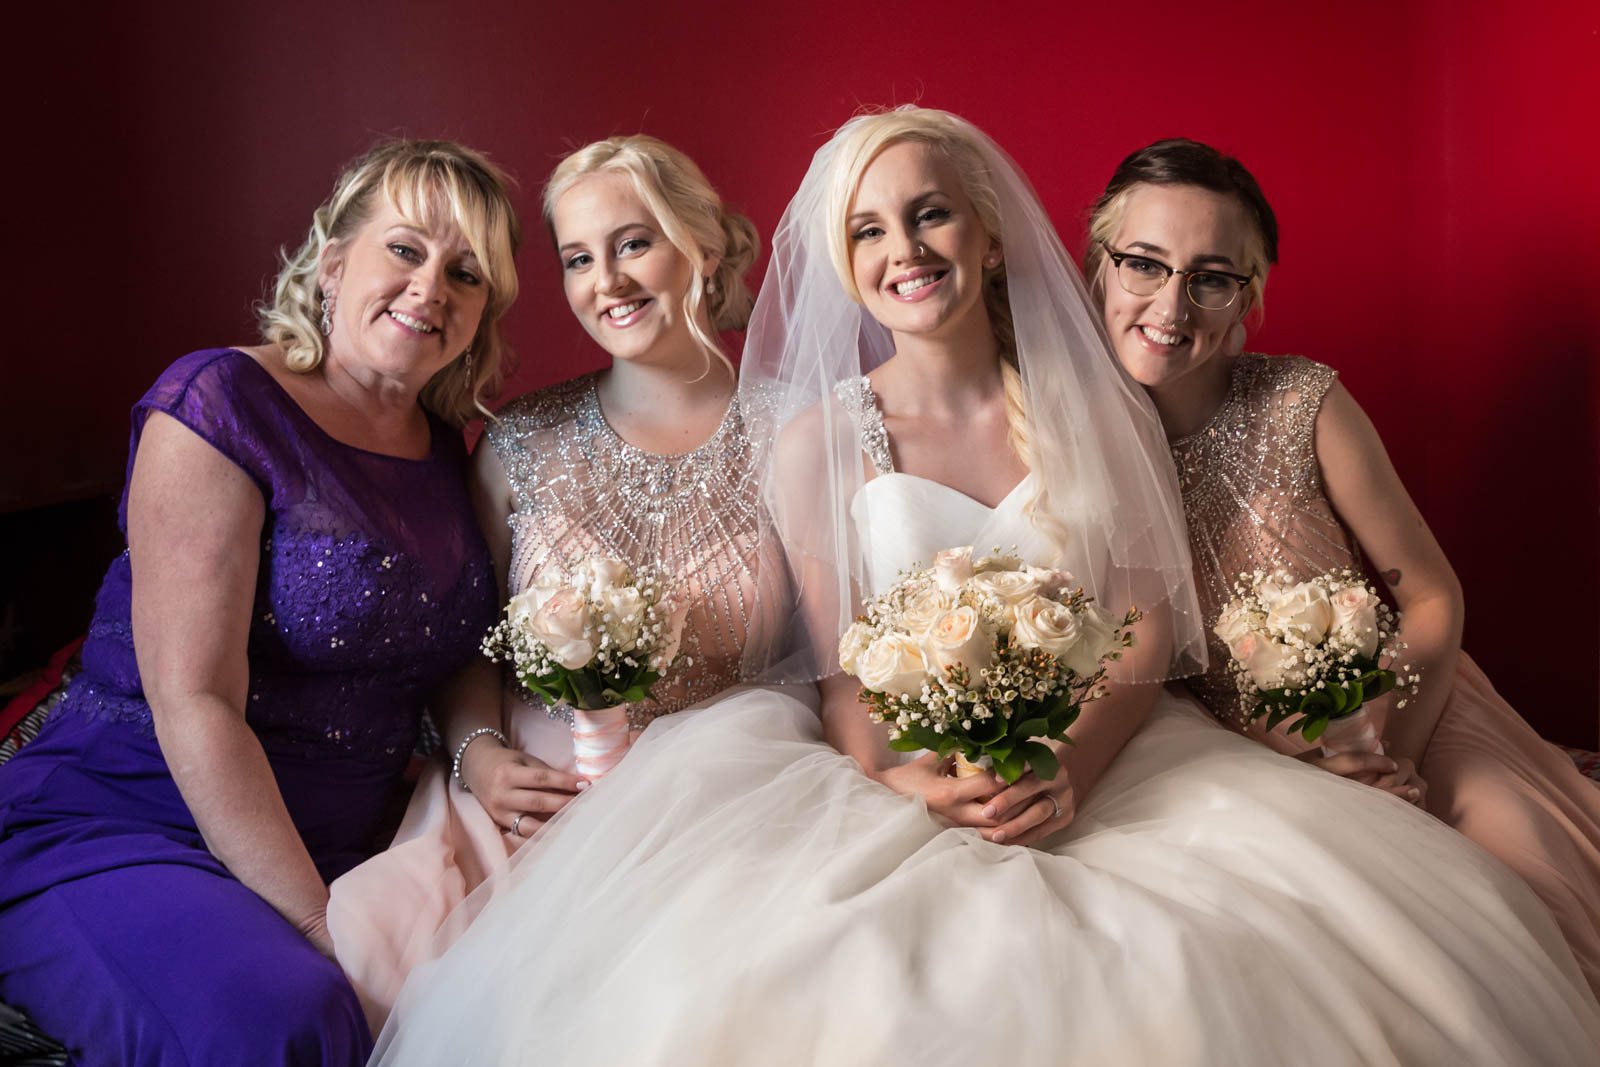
x,y
461,750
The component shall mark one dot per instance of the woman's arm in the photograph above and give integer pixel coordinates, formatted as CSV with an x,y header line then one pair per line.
x,y
194,540
506,781
1368,496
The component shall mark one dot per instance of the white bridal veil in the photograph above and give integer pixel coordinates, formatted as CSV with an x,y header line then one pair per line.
x,y
1105,493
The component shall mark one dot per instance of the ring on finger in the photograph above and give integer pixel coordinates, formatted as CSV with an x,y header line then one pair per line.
x,y
1055,804
517,822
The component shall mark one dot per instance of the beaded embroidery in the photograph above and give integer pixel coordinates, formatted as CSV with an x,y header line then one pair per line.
x,y
581,489
861,404
1253,497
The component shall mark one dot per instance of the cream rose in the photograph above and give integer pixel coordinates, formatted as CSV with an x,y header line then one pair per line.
x,y
1355,618
1272,664
960,637
952,568
893,664
1010,588
521,608
1303,610
1051,581
605,572
562,626
923,610
1044,624
1099,638
852,645
624,610
1232,625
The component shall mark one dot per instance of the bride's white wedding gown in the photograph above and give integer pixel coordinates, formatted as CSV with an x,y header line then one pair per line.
x,y
736,892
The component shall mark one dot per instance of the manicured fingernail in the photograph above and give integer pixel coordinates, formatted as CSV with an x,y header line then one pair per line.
x,y
999,836
1391,766
999,782
988,813
582,785
1414,794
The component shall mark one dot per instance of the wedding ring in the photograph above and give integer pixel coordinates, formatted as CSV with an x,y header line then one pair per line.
x,y
518,821
1051,797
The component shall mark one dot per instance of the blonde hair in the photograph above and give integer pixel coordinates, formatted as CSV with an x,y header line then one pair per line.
x,y
428,182
691,216
1180,161
943,133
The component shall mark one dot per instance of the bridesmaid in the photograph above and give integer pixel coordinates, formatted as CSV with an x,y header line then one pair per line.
x,y
645,461
1280,468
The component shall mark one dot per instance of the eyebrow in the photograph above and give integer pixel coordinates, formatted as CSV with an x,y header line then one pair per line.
x,y
614,234
1158,250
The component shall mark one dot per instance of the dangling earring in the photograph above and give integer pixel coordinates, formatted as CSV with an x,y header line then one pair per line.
x,y
711,285
467,355
327,315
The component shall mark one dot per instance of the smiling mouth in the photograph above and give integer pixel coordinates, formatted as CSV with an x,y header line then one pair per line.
x,y
1161,337
410,323
912,285
622,311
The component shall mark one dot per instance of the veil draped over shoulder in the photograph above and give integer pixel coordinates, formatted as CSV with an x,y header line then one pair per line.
x,y
1104,495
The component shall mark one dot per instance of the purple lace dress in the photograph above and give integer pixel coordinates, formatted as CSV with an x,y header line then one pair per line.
x,y
119,932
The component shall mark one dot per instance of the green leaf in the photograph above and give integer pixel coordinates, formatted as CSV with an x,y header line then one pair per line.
x,y
1031,728
1041,759
1355,695
998,752
1315,728
1011,768
906,743
1339,698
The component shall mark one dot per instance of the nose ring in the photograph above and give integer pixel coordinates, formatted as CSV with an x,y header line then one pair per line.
x,y
921,250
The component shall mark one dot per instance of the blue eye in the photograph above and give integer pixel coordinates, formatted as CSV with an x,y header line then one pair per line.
x,y
867,233
404,251
578,261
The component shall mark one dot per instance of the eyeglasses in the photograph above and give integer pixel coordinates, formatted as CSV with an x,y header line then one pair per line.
x,y
1209,289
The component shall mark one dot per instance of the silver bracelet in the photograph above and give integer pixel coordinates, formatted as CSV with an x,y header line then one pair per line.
x,y
461,750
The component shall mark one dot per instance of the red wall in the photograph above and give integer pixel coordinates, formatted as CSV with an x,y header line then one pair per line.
x,y
1432,165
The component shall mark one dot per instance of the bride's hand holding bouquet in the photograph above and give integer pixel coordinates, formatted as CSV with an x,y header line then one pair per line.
x,y
986,663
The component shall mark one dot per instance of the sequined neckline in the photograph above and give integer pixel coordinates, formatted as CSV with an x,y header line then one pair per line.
x,y
1188,451
662,472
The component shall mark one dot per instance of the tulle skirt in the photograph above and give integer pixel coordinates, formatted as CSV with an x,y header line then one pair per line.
x,y
736,892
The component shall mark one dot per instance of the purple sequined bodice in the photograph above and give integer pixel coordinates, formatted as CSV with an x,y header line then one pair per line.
x,y
374,581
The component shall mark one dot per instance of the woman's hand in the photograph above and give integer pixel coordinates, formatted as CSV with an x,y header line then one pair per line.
x,y
518,791
1397,776
960,800
1030,808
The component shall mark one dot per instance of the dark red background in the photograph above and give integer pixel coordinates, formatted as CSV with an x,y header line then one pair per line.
x,y
1433,166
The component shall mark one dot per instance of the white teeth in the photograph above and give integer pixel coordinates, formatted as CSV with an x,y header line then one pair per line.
x,y
1160,338
903,288
623,310
406,320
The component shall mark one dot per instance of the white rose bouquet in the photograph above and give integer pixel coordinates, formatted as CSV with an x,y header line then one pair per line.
x,y
1316,650
595,637
983,657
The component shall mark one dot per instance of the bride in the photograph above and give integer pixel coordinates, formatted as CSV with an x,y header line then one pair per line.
x,y
738,891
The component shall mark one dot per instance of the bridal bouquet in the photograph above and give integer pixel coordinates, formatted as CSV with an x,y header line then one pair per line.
x,y
595,637
983,657
1313,650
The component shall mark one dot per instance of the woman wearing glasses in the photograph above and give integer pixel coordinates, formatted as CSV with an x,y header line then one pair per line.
x,y
1280,469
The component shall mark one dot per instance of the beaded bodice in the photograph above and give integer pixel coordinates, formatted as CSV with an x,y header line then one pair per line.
x,y
1253,496
581,489
373,584
855,395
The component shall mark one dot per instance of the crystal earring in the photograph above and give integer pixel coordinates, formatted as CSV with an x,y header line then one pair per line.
x,y
467,356
711,285
327,315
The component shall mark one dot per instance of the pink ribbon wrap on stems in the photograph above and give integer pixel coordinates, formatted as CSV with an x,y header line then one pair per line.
x,y
599,739
1351,733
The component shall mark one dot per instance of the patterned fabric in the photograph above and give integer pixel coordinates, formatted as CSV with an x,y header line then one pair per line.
x,y
855,395
1253,497
580,489
364,599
